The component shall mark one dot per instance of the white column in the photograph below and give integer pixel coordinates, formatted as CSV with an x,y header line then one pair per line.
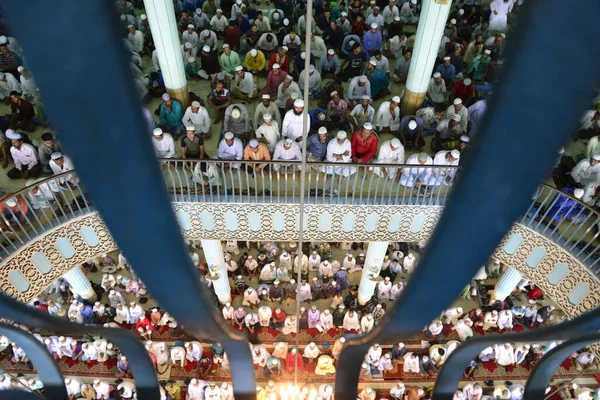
x,y
163,26
213,254
507,283
375,254
80,284
432,21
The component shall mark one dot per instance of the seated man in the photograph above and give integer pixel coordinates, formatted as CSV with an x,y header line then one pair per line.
x,y
412,127
171,113
243,85
237,121
417,176
378,80
447,132
337,112
362,113
317,145
268,132
390,152
230,148
22,113
219,99
46,149
339,150
364,144
255,62
387,118
359,86
25,157
314,82
256,151
287,150
444,176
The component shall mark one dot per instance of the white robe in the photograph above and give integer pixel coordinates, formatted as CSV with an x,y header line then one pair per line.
x,y
325,322
102,390
411,365
280,350
270,133
289,325
388,156
490,321
505,319
311,352
282,154
440,174
351,323
122,316
374,355
335,148
304,292
409,263
499,15
292,125
410,175
178,355
395,291
463,330
313,262
100,346
268,274
250,296
264,315
505,356
383,290
326,269
135,313
286,260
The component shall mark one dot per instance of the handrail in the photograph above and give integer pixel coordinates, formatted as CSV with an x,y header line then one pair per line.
x,y
556,215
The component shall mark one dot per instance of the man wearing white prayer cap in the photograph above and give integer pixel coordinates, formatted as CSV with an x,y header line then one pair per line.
x,y
243,86
458,108
387,118
292,122
339,150
479,66
445,175
359,86
190,36
266,107
256,151
411,131
163,144
287,150
314,82
197,116
268,132
390,152
408,12
255,61
25,156
230,148
218,22
436,90
171,113
418,175
447,70
587,171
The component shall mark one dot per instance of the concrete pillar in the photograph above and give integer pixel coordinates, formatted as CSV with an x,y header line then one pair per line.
x,y
80,284
507,283
373,260
163,26
213,254
432,21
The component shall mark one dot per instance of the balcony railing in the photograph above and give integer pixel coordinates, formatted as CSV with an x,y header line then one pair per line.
x,y
48,204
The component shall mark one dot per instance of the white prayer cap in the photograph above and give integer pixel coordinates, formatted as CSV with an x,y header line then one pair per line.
x,y
341,135
561,151
235,113
313,344
275,66
446,58
461,11
488,52
96,381
422,157
219,10
166,96
334,283
503,35
322,131
253,52
238,2
453,21
190,26
465,138
206,49
362,78
344,13
130,26
239,68
253,143
10,134
289,77
578,193
293,281
190,128
467,81
56,155
395,143
20,68
267,117
421,392
368,126
311,68
396,99
373,25
387,278
196,104
143,16
225,45
303,55
456,117
369,390
437,75
596,157
299,103
365,97
334,93
412,124
373,63
284,48
396,18
228,135
413,1
457,101
288,142
188,45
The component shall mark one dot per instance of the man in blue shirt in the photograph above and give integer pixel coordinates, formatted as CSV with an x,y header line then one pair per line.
x,y
317,145
88,314
348,44
372,39
448,71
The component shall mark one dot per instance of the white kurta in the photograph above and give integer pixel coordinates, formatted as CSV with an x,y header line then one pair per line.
x,y
335,148
292,125
351,322
326,269
282,154
270,133
289,325
313,262
585,173
135,313
440,174
122,316
505,356
245,84
268,274
195,353
499,15
304,292
233,152
264,315
250,296
490,321
200,120
505,320
384,118
311,352
463,330
388,156
383,290
411,365
325,321
412,174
